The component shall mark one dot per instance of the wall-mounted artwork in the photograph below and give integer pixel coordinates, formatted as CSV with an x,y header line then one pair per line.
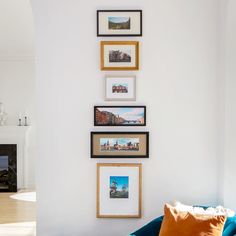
x,y
120,88
119,190
119,144
119,23
119,115
119,55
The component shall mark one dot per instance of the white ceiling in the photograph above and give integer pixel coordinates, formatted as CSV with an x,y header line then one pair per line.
x,y
16,30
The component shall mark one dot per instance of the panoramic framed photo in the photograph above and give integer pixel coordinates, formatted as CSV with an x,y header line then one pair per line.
x,y
119,115
119,190
120,88
119,144
119,55
115,23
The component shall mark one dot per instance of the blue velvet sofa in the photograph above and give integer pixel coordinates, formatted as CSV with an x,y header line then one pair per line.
x,y
153,228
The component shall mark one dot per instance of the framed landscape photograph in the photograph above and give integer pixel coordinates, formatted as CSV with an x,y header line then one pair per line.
x,y
119,190
119,23
119,55
119,115
120,88
119,144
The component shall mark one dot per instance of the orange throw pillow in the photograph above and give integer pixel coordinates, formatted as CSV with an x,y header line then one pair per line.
x,y
177,223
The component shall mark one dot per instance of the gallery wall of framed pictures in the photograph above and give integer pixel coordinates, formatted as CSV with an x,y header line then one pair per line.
x,y
119,186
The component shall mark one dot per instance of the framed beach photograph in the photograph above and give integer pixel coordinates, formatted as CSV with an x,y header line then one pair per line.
x,y
119,115
119,190
120,88
113,23
119,144
119,55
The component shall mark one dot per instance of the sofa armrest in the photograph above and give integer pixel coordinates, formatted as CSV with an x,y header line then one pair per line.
x,y
230,228
150,229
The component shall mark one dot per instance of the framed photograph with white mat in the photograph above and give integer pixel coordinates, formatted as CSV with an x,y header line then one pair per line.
x,y
113,23
119,190
120,88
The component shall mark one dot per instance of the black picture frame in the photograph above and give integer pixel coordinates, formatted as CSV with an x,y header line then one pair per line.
x,y
143,151
120,35
113,119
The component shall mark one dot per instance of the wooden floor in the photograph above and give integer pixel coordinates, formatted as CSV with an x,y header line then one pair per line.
x,y
17,218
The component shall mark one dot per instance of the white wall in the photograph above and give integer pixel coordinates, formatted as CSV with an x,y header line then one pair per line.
x,y
230,107
17,89
16,30
221,98
17,93
177,82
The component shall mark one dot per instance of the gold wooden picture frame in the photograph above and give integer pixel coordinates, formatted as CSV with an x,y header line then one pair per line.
x,y
119,55
119,190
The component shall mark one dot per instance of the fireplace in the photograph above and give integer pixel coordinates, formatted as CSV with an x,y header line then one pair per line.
x,y
8,168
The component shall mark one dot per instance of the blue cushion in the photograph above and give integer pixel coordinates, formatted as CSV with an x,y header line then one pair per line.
x,y
153,228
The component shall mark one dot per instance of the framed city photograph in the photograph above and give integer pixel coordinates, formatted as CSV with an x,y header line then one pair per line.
x,y
119,115
119,55
120,88
115,23
119,190
119,144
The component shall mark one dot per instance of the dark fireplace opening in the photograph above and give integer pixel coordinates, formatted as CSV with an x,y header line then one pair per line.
x,y
8,168
4,173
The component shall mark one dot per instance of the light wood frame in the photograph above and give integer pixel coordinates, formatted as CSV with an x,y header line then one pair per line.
x,y
139,165
121,77
135,43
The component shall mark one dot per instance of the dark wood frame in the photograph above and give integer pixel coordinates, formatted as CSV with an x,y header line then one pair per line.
x,y
10,150
119,156
120,35
144,107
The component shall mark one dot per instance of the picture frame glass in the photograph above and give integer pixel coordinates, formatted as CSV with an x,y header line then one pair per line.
x,y
118,190
119,23
120,88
